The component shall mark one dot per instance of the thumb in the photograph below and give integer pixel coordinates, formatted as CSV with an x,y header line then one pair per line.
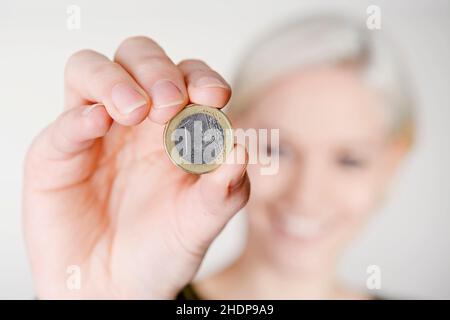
x,y
61,155
221,194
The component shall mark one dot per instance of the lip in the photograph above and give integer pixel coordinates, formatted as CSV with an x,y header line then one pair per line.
x,y
309,233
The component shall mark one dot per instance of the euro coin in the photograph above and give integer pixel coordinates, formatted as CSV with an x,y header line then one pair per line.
x,y
198,138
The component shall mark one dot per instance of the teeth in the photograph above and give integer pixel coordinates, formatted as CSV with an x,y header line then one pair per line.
x,y
300,227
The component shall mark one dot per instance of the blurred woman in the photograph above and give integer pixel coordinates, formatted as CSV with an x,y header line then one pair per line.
x,y
337,94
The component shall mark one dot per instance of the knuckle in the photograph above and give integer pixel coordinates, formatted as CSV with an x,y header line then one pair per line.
x,y
205,73
155,62
76,56
194,63
138,40
81,54
152,65
105,69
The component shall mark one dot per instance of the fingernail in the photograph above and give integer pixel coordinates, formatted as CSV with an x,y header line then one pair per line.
x,y
126,99
209,82
90,108
165,94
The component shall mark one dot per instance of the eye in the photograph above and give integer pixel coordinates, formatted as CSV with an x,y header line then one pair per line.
x,y
351,161
271,150
282,151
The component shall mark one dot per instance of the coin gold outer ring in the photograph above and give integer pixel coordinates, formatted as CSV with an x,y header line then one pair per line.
x,y
175,157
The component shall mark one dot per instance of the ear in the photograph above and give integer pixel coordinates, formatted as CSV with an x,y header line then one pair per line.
x,y
398,148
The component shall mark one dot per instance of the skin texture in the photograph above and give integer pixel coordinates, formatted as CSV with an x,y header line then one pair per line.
x,y
337,158
100,192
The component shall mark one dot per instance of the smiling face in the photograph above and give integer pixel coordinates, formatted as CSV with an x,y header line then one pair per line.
x,y
336,160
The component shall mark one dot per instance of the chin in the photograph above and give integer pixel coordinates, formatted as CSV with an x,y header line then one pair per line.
x,y
303,254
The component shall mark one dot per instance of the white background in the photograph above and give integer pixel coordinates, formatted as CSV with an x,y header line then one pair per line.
x,y
409,239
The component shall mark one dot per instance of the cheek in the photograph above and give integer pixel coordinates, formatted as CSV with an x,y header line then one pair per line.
x,y
267,188
357,194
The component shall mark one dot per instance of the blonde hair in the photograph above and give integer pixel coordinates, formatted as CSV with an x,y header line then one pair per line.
x,y
328,39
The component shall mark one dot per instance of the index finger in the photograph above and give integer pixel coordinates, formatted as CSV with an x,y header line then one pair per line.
x,y
90,78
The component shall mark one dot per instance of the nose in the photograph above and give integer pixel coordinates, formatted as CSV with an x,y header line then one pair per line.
x,y
305,190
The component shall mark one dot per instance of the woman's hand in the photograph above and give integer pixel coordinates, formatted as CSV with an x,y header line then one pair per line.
x,y
100,192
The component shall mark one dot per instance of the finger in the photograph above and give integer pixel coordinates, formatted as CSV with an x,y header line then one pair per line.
x,y
205,86
92,78
63,153
147,62
221,193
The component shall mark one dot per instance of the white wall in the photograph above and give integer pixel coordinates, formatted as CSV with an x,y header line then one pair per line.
x,y
409,239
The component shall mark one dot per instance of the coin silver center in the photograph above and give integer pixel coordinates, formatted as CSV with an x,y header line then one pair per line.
x,y
199,138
